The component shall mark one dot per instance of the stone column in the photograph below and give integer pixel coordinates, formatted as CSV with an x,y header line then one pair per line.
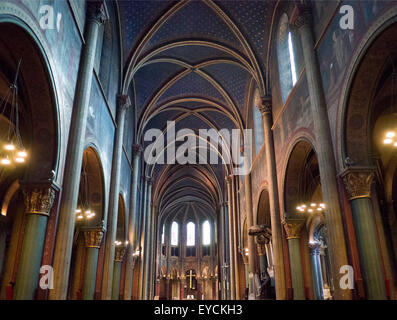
x,y
314,248
38,198
132,222
221,243
235,239
147,229
293,228
358,183
123,105
324,150
92,239
78,266
96,15
277,241
251,240
152,261
118,261
231,239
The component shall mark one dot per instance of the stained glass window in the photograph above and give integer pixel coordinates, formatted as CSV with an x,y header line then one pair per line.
x,y
190,234
174,234
206,233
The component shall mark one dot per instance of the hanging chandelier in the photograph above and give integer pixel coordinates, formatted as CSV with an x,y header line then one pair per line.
x,y
12,150
83,211
311,208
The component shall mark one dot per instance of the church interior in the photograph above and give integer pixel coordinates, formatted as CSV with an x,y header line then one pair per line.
x,y
93,209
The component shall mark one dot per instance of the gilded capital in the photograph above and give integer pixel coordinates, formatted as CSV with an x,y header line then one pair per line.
x,y
119,253
38,199
293,228
358,182
266,105
93,237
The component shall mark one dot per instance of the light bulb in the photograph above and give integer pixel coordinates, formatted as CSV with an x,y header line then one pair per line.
x,y
20,160
78,210
80,217
5,161
22,154
387,141
9,147
390,134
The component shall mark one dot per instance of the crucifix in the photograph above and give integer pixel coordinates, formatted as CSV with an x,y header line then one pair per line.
x,y
190,278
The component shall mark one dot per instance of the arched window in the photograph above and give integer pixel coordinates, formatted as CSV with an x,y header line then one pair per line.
x,y
174,234
257,117
190,234
286,58
206,233
162,235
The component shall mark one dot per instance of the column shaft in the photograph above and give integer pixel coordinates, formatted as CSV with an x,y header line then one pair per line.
x,y
231,240
235,240
74,155
251,240
296,269
116,280
132,222
367,242
92,238
293,228
277,241
91,263
123,104
38,203
325,153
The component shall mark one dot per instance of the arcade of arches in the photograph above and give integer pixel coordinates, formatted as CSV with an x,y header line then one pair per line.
x,y
91,210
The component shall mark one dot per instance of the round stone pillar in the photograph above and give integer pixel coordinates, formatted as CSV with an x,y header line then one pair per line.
x,y
39,199
266,110
324,149
111,218
118,261
314,248
96,15
293,229
92,240
358,183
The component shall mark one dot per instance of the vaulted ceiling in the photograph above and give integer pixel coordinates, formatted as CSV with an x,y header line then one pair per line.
x,y
192,62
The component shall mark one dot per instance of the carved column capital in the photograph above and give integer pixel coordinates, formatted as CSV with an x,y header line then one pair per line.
x,y
38,197
97,12
293,228
93,237
123,101
358,182
119,253
304,16
136,149
266,105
